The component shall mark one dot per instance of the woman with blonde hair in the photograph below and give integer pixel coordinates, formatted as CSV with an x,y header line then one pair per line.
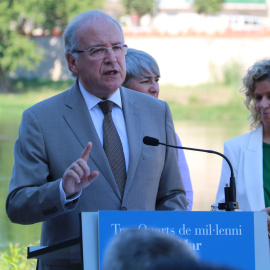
x,y
250,153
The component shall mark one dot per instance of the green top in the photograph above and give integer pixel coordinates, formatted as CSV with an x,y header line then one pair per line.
x,y
266,173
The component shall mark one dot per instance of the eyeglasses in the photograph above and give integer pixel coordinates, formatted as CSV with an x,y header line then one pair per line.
x,y
100,52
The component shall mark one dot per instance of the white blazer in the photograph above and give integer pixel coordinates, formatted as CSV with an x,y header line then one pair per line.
x,y
246,156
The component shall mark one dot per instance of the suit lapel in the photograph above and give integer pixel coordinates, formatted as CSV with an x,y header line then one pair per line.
x,y
253,170
133,126
81,124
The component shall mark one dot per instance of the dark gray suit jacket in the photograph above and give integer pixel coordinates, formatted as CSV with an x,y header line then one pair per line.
x,y
53,134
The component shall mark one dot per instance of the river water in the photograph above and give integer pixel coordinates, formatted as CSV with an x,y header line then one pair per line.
x,y
205,168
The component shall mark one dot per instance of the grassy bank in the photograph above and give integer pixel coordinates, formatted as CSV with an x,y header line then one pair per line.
x,y
204,103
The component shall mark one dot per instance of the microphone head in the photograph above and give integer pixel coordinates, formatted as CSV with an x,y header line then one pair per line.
x,y
150,141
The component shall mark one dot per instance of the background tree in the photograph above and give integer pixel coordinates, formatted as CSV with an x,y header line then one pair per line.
x,y
16,49
140,7
207,6
57,13
18,18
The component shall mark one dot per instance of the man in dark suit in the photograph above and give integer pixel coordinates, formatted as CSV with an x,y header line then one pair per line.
x,y
61,168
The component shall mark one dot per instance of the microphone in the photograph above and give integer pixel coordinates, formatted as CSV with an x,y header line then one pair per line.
x,y
230,203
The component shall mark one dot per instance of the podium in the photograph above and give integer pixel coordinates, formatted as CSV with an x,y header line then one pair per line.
x,y
233,239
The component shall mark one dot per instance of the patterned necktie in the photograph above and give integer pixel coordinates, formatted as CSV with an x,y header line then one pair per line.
x,y
112,146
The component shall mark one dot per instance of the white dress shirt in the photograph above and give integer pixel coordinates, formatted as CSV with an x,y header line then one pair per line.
x,y
117,116
97,118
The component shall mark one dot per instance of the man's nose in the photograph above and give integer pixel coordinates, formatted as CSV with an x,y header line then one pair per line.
x,y
110,56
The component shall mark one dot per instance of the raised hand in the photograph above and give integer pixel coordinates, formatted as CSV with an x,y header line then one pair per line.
x,y
78,175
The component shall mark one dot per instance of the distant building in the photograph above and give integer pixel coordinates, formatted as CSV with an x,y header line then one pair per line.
x,y
230,7
245,16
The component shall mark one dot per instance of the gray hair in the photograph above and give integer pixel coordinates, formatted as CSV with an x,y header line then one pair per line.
x,y
259,71
71,40
138,63
136,249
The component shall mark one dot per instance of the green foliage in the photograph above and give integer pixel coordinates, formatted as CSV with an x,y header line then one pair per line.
x,y
59,13
15,259
140,7
203,103
232,73
232,112
16,49
208,6
41,84
18,18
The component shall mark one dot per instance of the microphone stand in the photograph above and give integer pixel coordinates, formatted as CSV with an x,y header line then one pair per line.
x,y
230,203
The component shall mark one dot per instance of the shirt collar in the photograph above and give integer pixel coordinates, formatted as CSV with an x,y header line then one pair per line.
x,y
92,101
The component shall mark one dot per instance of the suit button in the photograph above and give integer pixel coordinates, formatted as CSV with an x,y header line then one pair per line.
x,y
123,208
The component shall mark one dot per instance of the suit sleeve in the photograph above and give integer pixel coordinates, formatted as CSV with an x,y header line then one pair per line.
x,y
33,196
171,193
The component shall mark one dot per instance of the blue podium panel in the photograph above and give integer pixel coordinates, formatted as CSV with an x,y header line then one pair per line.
x,y
236,239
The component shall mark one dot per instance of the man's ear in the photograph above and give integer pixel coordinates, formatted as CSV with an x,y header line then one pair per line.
x,y
72,63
